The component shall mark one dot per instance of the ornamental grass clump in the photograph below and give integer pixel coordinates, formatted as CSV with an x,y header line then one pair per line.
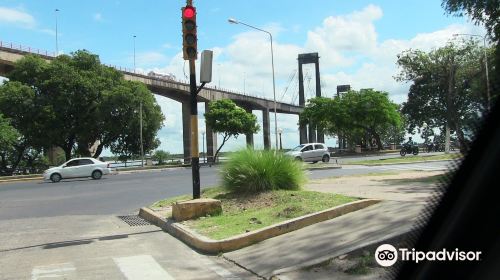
x,y
251,171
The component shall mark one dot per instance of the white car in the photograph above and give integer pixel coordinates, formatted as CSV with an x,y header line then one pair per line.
x,y
77,168
310,152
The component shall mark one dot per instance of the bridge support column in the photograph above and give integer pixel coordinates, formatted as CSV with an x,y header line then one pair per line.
x,y
266,129
312,133
186,131
303,134
211,138
249,136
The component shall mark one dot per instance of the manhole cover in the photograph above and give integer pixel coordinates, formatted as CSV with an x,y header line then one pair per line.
x,y
134,220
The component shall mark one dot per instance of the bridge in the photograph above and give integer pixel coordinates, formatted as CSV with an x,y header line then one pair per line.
x,y
178,91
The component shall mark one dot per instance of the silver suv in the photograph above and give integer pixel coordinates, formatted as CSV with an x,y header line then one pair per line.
x,y
310,152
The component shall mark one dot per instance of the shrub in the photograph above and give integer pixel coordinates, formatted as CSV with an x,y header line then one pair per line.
x,y
254,171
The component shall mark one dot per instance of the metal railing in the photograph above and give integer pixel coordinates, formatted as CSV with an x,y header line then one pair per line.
x,y
19,47
28,49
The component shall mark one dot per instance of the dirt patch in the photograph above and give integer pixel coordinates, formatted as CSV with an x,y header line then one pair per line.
x,y
235,203
404,186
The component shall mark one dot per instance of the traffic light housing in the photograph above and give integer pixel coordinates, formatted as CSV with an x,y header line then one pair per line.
x,y
189,40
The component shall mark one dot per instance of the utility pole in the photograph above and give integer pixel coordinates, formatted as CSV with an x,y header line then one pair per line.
x,y
57,43
140,125
449,107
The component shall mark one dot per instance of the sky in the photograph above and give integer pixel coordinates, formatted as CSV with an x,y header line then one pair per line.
x,y
357,41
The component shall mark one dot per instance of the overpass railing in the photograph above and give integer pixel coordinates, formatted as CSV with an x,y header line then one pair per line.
x,y
28,49
24,48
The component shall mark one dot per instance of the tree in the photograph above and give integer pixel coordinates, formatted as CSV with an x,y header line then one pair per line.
x,y
486,12
8,138
225,117
122,106
161,156
448,88
356,114
70,101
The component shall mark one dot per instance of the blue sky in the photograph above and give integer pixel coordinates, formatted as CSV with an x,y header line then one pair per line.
x,y
357,42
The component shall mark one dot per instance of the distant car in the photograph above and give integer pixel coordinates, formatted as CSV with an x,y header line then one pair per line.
x,y
311,152
78,168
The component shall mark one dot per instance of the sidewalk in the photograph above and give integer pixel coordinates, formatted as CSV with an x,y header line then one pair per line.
x,y
329,239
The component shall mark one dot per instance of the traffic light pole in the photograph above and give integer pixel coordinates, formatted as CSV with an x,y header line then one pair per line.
x,y
195,155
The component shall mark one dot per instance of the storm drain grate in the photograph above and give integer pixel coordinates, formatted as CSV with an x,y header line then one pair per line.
x,y
134,220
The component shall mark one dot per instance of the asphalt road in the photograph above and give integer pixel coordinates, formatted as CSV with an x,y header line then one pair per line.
x,y
124,194
70,230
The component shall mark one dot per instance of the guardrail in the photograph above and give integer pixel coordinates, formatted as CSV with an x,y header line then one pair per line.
x,y
24,48
28,49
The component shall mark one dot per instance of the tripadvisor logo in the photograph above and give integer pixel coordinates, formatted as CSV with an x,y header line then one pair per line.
x,y
387,255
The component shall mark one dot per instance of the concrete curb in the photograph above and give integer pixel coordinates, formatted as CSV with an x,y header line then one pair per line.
x,y
379,164
20,179
211,246
326,168
389,239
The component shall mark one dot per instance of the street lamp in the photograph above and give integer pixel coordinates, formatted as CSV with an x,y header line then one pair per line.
x,y
281,143
134,53
203,146
140,127
485,63
218,72
57,43
234,21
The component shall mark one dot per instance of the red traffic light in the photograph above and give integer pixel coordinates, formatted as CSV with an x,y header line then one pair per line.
x,y
189,12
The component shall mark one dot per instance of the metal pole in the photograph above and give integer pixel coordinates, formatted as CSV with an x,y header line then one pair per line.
x,y
57,43
134,53
487,75
142,146
274,82
195,156
203,147
274,94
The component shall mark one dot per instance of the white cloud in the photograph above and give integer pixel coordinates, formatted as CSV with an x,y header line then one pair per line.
x,y
16,17
350,53
97,17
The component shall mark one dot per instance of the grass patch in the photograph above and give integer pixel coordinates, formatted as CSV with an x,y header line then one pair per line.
x,y
408,158
362,265
244,212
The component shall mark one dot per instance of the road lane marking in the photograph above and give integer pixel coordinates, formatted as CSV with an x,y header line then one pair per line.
x,y
52,271
141,267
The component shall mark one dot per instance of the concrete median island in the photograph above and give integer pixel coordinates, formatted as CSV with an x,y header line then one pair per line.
x,y
250,218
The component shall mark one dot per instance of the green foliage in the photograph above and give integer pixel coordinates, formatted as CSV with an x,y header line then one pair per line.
x,y
161,156
354,115
448,87
255,171
225,117
74,101
485,12
8,135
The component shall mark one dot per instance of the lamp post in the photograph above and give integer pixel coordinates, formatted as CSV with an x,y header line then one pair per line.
x,y
140,127
234,21
218,64
485,63
57,43
203,146
281,143
134,53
